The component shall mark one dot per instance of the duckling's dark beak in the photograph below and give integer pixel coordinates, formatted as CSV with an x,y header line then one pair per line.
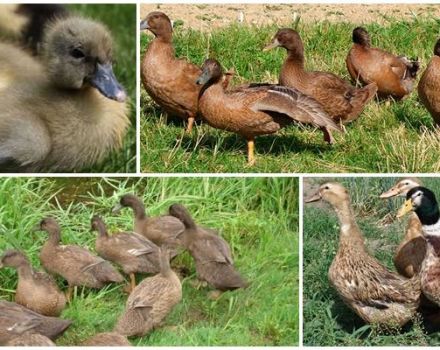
x,y
117,209
406,208
203,78
105,81
275,43
390,193
144,25
313,198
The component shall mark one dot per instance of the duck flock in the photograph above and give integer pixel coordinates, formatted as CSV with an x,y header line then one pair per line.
x,y
321,99
33,318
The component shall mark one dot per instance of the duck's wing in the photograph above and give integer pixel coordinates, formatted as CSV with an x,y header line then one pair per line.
x,y
294,104
212,249
133,243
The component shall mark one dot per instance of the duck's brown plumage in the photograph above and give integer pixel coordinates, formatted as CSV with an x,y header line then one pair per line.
x,y
16,320
211,253
394,75
170,82
429,85
107,339
35,290
342,101
30,339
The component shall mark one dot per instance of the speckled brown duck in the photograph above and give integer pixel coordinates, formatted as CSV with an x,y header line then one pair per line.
x,y
133,252
429,85
170,82
151,301
374,293
394,75
107,339
211,253
16,320
35,290
256,110
77,265
342,101
30,339
161,230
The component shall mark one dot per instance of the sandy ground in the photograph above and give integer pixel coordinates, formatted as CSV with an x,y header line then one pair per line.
x,y
203,16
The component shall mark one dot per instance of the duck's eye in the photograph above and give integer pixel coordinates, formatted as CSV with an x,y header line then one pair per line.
x,y
77,53
326,188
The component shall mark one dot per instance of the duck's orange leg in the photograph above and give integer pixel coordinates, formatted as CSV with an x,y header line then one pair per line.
x,y
133,281
251,151
189,127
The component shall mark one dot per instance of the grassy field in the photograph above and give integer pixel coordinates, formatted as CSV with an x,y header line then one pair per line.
x,y
388,137
327,321
258,217
121,21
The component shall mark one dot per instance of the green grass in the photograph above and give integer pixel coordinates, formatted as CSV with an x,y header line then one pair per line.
x,y
258,217
327,320
121,21
393,137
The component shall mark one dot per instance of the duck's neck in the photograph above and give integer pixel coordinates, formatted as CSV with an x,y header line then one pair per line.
x,y
24,270
431,229
349,230
54,237
161,47
295,58
214,90
139,211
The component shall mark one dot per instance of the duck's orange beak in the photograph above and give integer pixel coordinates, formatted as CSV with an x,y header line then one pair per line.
x,y
406,208
392,192
313,198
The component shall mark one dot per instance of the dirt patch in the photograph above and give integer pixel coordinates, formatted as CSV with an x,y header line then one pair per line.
x,y
205,17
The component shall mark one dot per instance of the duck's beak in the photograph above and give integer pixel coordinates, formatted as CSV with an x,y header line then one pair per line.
x,y
203,78
144,25
105,81
117,209
406,208
275,43
390,193
36,228
313,198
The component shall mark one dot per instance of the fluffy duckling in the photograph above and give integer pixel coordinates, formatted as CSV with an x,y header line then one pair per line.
x,y
16,320
30,339
107,339
423,202
74,115
75,264
429,85
151,301
211,253
342,101
411,251
36,290
394,75
256,109
364,284
161,230
133,252
170,82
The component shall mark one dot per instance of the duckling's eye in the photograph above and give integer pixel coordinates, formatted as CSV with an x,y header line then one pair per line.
x,y
326,188
77,53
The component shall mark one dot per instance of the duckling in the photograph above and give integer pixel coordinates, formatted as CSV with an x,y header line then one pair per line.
x,y
36,290
211,253
364,284
74,115
429,85
423,202
338,98
161,230
75,264
133,252
151,301
30,339
394,75
411,251
170,82
16,320
107,339
256,109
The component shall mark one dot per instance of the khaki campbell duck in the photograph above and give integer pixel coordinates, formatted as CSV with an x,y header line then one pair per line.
x,y
16,320
211,253
133,252
30,339
364,284
170,82
35,290
75,264
338,98
256,110
107,339
75,114
394,75
411,251
151,301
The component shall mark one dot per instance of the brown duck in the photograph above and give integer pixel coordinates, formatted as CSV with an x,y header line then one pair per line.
x,y
170,82
161,230
75,264
211,253
258,109
133,252
30,339
16,320
394,75
107,339
429,85
35,290
338,98
151,301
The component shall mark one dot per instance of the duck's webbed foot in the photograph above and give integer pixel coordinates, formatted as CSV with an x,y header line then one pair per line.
x,y
328,137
